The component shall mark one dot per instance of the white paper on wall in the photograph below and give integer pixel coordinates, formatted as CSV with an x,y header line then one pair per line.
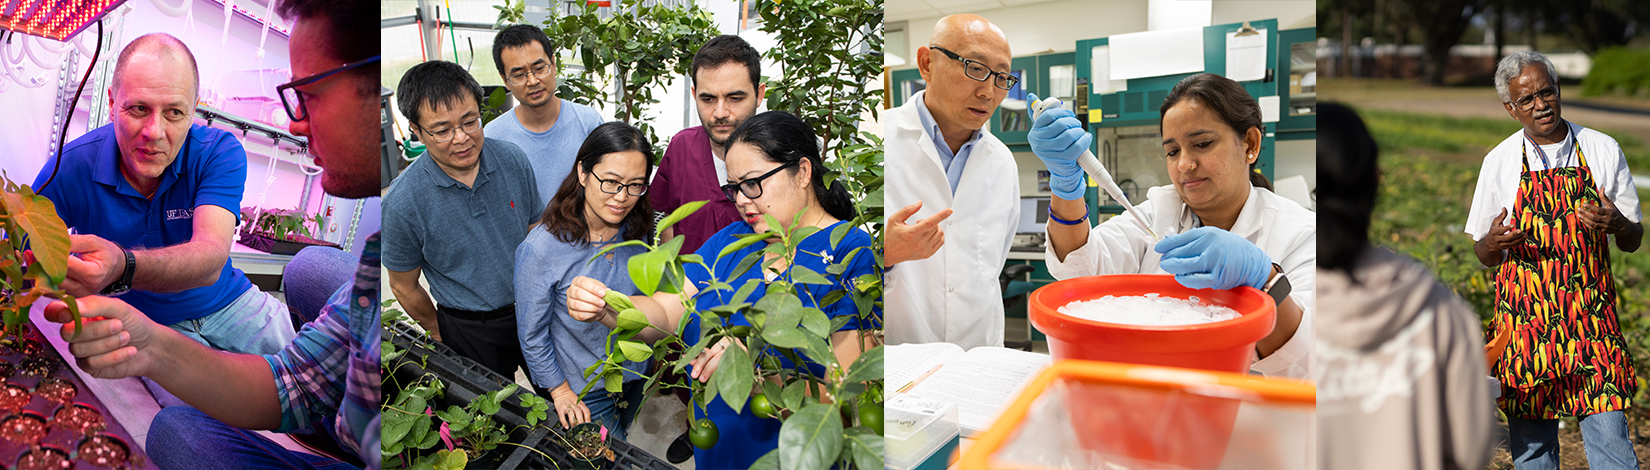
x,y
1246,56
1100,72
1269,108
1156,53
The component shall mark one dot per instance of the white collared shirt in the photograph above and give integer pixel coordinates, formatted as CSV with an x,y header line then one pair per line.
x,y
1498,178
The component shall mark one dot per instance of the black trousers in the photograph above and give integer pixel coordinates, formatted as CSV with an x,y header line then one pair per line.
x,y
487,337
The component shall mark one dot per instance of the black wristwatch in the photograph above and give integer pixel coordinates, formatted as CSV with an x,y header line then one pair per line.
x,y
125,283
1278,287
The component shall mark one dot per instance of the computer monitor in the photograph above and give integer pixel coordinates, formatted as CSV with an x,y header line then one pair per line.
x,y
1033,215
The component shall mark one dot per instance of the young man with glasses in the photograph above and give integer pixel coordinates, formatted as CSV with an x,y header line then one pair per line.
x,y
548,129
456,216
327,379
949,172
155,199
1548,199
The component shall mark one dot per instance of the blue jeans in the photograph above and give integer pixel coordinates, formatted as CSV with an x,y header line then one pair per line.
x,y
604,408
311,278
185,438
1605,435
254,323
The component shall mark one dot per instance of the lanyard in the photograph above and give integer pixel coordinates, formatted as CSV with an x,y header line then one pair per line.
x,y
1569,140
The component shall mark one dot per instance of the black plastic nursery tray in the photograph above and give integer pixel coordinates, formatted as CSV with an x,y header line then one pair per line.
x,y
467,379
49,419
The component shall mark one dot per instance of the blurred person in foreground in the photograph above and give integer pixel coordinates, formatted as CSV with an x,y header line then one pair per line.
x,y
1401,384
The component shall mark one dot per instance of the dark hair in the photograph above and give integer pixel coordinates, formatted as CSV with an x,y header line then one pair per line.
x,y
346,40
162,42
564,216
785,139
724,49
517,36
436,82
1229,101
1347,183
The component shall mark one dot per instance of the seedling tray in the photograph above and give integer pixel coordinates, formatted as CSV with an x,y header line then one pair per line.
x,y
271,245
40,392
467,379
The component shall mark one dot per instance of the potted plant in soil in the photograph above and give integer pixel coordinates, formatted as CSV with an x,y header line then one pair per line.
x,y
587,445
280,231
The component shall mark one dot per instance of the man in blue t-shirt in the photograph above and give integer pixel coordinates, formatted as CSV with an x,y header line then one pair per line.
x,y
155,200
549,129
455,217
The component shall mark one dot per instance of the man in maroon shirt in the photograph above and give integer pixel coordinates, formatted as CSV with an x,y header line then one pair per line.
x,y
727,87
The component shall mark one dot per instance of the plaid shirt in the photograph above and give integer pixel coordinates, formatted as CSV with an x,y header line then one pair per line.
x,y
330,373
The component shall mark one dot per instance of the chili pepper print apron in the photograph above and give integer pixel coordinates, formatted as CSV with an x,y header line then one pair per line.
x,y
1567,356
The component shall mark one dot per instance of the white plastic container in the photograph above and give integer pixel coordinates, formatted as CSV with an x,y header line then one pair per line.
x,y
919,433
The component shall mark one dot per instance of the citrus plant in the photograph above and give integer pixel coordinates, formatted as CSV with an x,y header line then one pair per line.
x,y
817,433
34,256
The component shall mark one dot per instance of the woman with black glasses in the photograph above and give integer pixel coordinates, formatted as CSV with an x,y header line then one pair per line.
x,y
602,202
776,176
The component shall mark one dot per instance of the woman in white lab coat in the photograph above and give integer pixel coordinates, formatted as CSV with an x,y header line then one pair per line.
x,y
1222,225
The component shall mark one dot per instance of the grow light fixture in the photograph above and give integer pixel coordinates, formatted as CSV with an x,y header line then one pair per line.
x,y
53,19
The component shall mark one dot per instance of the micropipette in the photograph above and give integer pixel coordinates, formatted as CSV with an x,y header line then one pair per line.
x,y
1095,170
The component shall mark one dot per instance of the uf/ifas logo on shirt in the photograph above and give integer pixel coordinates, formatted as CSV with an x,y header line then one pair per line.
x,y
176,214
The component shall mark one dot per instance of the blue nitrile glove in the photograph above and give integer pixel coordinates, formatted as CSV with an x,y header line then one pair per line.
x,y
1058,139
1211,258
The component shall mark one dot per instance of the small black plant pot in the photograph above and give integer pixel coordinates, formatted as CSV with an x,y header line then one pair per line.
x,y
586,447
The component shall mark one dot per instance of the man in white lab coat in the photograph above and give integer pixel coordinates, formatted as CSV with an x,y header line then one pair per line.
x,y
940,155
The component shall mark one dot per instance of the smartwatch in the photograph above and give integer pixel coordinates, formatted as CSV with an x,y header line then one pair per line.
x,y
124,284
1278,287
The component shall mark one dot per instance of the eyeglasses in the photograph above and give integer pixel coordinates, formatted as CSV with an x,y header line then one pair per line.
x,y
979,72
446,134
614,186
1527,103
293,100
540,70
751,187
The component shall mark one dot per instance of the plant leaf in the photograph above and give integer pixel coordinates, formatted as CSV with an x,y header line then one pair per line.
x,y
645,271
48,236
631,319
868,367
734,376
866,447
635,351
811,438
802,275
679,214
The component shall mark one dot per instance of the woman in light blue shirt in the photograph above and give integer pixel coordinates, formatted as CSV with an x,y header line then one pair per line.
x,y
604,201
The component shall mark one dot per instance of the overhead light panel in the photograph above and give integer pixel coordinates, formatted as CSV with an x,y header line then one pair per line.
x,y
54,19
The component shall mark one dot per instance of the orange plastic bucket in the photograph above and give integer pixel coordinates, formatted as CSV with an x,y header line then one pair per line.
x,y
1220,346
1224,346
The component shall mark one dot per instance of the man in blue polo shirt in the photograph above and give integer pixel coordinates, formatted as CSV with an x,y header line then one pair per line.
x,y
155,200
548,129
456,216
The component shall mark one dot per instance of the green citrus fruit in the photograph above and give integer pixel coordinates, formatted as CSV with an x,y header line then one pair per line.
x,y
703,434
870,415
762,407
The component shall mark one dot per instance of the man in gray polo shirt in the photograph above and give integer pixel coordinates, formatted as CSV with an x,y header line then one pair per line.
x,y
549,129
456,217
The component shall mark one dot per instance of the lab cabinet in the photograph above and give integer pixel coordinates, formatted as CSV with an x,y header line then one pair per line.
x,y
1297,69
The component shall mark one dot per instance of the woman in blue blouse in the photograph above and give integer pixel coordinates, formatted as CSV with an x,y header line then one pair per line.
x,y
604,201
774,166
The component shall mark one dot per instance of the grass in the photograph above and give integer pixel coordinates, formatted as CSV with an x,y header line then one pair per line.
x,y
1429,169
1468,139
